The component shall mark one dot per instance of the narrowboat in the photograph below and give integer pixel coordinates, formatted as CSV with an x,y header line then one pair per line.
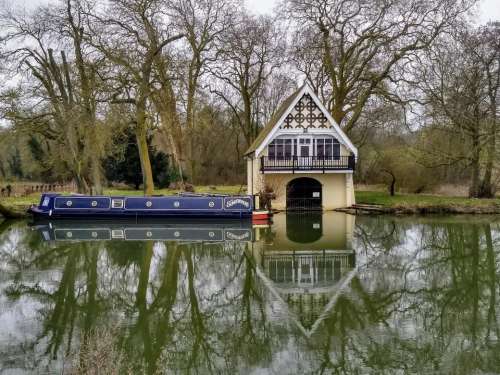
x,y
57,206
178,229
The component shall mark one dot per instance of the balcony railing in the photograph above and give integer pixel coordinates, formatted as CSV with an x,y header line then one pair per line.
x,y
309,163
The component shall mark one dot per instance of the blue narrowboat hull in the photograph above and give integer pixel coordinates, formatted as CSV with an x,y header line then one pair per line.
x,y
56,206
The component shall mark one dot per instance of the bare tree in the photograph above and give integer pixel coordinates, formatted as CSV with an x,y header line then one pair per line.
x,y
203,23
352,51
132,35
460,81
59,95
489,56
253,49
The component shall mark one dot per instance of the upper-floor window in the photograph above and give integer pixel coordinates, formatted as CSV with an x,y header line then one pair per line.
x,y
328,148
320,148
281,148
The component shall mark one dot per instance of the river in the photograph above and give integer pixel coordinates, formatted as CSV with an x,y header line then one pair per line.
x,y
310,294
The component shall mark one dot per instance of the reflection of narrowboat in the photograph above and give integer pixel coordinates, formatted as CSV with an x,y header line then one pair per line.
x,y
180,230
194,206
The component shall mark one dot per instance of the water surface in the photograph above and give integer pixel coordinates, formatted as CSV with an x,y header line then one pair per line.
x,y
314,294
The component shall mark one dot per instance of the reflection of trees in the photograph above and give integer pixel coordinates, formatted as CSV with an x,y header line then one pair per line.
x,y
430,299
252,338
153,325
185,304
72,298
185,324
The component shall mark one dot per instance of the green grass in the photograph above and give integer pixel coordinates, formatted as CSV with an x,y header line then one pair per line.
x,y
420,200
362,197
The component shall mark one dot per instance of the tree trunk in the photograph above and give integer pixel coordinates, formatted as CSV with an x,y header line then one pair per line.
x,y
174,148
165,103
147,172
142,146
96,176
248,131
192,83
392,185
475,164
487,187
82,186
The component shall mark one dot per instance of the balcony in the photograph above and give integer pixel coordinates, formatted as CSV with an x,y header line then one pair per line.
x,y
310,163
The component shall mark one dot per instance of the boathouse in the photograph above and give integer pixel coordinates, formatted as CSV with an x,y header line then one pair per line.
x,y
303,156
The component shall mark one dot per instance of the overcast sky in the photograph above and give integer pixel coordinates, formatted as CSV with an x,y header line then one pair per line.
x,y
489,9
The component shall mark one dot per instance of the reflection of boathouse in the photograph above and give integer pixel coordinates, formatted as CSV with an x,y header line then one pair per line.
x,y
308,271
304,262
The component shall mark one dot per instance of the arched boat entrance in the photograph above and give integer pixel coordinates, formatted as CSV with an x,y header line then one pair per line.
x,y
303,194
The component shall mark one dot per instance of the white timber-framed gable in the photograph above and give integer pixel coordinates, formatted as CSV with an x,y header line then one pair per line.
x,y
306,114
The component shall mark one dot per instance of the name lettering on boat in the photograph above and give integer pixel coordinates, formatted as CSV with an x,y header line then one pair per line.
x,y
233,202
234,236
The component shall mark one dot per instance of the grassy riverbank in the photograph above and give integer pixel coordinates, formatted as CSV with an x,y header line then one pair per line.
x,y
382,202
421,203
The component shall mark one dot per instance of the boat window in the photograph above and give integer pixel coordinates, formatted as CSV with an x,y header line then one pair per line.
x,y
117,203
117,233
